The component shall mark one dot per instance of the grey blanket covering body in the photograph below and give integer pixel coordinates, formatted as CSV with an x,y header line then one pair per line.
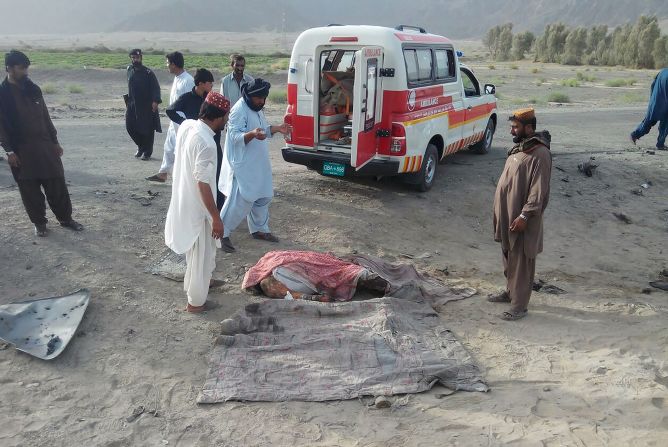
x,y
303,350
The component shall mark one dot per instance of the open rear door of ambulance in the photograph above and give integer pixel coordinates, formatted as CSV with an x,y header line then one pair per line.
x,y
366,105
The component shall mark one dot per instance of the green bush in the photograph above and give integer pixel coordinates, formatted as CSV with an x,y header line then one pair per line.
x,y
620,82
558,97
491,67
49,88
76,89
155,59
278,96
535,70
514,67
632,98
570,83
583,77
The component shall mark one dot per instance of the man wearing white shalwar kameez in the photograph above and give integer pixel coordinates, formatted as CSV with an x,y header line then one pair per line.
x,y
183,83
193,223
245,174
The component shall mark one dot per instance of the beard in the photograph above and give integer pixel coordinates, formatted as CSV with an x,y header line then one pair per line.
x,y
136,63
23,82
249,103
517,139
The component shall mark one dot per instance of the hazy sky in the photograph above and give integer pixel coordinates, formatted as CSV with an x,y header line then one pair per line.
x,y
454,18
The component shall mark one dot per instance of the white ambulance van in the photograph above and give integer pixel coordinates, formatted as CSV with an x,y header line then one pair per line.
x,y
378,101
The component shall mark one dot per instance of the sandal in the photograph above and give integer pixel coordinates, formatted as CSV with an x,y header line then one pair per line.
x,y
155,178
501,297
264,236
513,316
195,309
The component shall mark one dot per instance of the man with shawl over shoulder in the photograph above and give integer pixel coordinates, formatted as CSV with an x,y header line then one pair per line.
x,y
522,194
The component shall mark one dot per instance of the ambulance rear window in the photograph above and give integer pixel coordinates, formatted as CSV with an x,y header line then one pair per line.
x,y
411,66
419,65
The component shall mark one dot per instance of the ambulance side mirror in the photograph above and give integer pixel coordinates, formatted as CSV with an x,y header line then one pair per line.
x,y
490,89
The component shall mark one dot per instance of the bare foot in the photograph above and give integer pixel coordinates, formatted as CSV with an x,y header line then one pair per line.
x,y
195,309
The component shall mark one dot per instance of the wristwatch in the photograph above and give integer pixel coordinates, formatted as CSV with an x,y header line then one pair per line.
x,y
523,217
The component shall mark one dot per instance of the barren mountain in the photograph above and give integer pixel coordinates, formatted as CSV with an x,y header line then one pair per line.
x,y
455,18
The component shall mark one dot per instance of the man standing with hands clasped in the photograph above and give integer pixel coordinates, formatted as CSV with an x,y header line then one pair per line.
x,y
193,224
521,197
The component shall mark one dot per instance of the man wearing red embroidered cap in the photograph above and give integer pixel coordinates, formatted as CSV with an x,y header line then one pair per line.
x,y
193,225
522,193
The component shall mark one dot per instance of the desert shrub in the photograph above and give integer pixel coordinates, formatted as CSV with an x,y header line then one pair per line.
x,y
558,97
76,89
632,98
278,95
620,82
570,83
584,77
49,89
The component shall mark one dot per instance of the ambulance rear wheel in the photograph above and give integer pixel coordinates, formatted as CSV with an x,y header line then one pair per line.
x,y
427,173
483,146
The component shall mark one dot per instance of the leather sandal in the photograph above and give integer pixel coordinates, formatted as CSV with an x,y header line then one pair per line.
x,y
512,316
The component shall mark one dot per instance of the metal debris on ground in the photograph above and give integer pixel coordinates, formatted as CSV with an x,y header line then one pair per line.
x,y
43,327
623,217
544,287
169,265
588,167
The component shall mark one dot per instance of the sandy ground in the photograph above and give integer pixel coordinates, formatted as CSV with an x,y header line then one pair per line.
x,y
584,368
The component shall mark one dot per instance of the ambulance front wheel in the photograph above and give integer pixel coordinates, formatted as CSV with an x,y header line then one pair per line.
x,y
427,173
483,146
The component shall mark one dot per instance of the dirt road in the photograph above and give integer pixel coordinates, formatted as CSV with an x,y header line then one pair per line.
x,y
585,368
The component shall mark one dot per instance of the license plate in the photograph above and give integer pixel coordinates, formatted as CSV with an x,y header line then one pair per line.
x,y
335,169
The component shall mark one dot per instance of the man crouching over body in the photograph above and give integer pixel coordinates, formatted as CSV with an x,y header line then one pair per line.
x,y
193,225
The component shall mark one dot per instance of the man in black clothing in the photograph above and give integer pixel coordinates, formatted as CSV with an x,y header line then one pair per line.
x,y
188,105
141,117
33,152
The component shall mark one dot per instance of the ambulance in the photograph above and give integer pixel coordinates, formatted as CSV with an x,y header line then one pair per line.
x,y
380,101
